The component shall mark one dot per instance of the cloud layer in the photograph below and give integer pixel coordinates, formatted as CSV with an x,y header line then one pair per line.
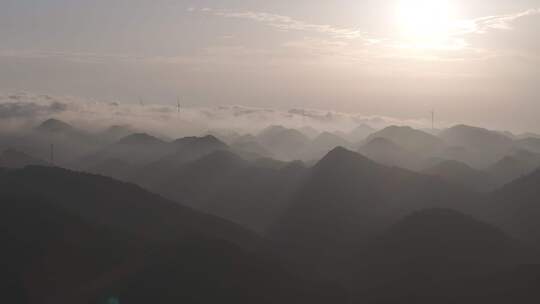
x,y
24,110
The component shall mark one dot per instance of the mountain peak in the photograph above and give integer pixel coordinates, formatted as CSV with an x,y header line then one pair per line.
x,y
327,135
383,143
54,125
280,131
341,152
309,131
361,132
140,139
210,138
410,139
273,129
475,133
341,156
402,131
116,132
467,127
394,127
205,140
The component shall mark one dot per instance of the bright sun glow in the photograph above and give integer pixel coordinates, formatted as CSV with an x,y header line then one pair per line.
x,y
425,19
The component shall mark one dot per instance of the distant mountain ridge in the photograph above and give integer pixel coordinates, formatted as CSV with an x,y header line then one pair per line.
x,y
286,144
284,216
462,174
411,139
140,139
386,152
485,146
360,133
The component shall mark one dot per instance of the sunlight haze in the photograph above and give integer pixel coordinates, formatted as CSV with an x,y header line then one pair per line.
x,y
399,58
270,152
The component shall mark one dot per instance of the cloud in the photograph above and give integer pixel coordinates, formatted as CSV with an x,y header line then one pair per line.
x,y
20,109
506,35
286,23
338,45
81,57
323,43
498,22
458,41
23,110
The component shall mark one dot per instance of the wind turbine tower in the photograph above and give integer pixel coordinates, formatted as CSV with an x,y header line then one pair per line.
x,y
52,154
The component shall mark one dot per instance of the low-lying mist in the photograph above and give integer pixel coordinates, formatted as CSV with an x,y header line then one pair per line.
x,y
21,111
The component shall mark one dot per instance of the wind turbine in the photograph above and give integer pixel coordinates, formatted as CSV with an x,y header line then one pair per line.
x,y
52,154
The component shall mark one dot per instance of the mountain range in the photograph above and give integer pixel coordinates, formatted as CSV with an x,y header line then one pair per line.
x,y
400,216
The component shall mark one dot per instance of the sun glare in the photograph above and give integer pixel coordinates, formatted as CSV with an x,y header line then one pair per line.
x,y
425,19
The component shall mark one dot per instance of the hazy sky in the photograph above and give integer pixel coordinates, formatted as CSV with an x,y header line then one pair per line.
x,y
475,61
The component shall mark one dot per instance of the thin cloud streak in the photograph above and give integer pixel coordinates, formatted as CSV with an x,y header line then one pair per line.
x,y
499,22
352,43
456,40
72,56
286,23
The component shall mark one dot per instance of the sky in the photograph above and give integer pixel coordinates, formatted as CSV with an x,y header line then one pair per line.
x,y
474,62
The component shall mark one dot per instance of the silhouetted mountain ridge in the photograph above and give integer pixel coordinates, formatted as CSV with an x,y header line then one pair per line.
x,y
140,139
514,207
347,198
208,140
386,152
433,249
83,238
484,147
460,173
55,126
411,139
286,144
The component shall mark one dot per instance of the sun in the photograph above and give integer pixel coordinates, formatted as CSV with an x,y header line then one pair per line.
x,y
425,19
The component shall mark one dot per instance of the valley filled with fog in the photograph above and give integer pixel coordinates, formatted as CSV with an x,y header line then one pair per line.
x,y
269,152
361,215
